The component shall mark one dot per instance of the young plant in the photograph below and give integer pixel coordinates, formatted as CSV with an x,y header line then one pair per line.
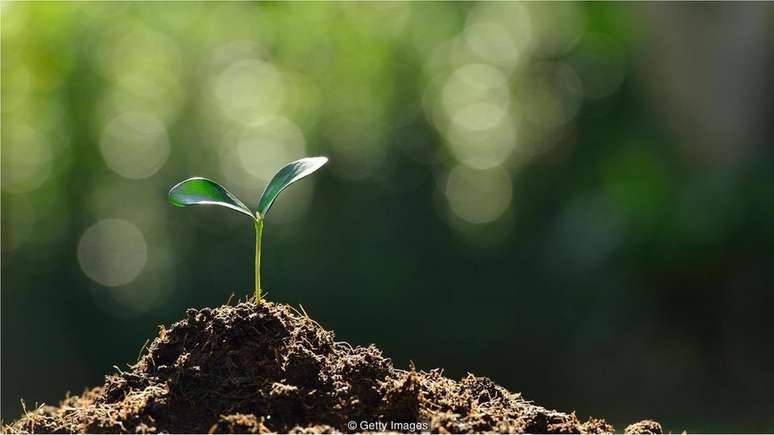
x,y
201,191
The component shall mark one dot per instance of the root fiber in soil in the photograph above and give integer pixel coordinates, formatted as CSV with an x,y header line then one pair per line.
x,y
266,368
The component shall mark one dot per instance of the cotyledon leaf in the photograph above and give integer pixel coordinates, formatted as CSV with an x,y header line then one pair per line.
x,y
202,191
286,176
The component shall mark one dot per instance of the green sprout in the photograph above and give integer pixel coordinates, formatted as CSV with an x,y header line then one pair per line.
x,y
201,191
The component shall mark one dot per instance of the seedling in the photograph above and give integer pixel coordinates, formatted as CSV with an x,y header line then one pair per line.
x,y
201,191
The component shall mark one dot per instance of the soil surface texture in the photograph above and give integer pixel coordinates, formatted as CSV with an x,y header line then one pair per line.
x,y
251,368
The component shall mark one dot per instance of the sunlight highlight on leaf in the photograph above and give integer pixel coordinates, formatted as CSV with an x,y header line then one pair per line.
x,y
201,191
286,176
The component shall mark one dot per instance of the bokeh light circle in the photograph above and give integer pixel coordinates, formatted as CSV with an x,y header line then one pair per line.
x,y
475,83
493,42
259,150
112,252
476,119
248,90
135,145
27,159
499,32
264,147
478,196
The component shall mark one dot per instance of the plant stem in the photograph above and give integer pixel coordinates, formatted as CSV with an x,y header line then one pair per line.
x,y
258,234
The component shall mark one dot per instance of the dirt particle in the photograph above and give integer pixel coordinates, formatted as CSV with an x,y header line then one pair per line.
x,y
644,427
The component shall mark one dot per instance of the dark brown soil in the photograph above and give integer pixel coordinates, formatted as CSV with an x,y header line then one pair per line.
x,y
267,368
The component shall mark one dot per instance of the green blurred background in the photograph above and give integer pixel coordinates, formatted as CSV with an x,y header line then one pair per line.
x,y
576,200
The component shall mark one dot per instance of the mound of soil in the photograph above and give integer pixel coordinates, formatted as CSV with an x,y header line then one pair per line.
x,y
267,368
